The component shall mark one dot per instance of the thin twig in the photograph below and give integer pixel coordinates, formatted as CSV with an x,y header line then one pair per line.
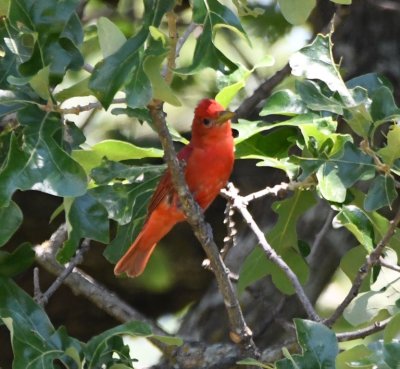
x,y
278,189
363,332
76,260
240,333
241,206
325,228
37,292
181,41
371,260
88,68
385,264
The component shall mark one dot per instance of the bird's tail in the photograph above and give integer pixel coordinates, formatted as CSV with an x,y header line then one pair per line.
x,y
134,261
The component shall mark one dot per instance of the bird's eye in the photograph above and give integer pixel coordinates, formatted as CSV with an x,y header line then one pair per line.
x,y
206,121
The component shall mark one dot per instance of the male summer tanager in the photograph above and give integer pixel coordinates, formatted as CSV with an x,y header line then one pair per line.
x,y
208,162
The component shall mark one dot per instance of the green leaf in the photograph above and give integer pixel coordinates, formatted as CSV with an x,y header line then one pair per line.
x,y
296,12
319,347
284,102
110,170
383,295
124,66
235,81
40,163
253,362
283,234
87,218
212,15
347,358
227,93
152,62
10,219
275,144
340,171
352,261
114,150
378,355
358,223
392,330
283,238
370,82
383,106
54,33
13,101
343,2
40,83
170,341
100,349
391,151
315,61
311,94
36,344
127,202
110,36
80,88
129,209
11,264
257,266
381,193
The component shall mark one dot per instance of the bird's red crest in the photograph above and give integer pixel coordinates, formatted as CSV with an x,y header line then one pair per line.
x,y
208,108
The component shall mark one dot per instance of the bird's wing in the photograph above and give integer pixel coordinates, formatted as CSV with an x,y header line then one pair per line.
x,y
165,187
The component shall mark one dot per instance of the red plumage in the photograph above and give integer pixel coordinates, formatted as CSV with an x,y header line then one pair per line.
x,y
208,161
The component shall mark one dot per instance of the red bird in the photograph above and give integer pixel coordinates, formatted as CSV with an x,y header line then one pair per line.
x,y
208,161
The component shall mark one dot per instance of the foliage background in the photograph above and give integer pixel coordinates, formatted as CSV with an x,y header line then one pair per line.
x,y
47,49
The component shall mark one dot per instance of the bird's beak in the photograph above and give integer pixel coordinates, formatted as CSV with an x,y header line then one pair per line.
x,y
224,116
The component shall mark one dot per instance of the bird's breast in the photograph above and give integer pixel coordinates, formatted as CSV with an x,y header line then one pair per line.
x,y
208,170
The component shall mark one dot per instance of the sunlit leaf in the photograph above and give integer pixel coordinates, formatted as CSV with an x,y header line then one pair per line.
x,y
358,223
113,150
284,102
110,36
296,12
391,151
152,63
384,294
212,15
315,61
40,163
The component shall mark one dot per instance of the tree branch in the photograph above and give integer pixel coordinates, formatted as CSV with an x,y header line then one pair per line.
x,y
249,105
240,333
363,332
241,205
83,284
371,260
43,298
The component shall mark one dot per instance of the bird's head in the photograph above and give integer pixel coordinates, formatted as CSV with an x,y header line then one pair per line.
x,y
211,119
